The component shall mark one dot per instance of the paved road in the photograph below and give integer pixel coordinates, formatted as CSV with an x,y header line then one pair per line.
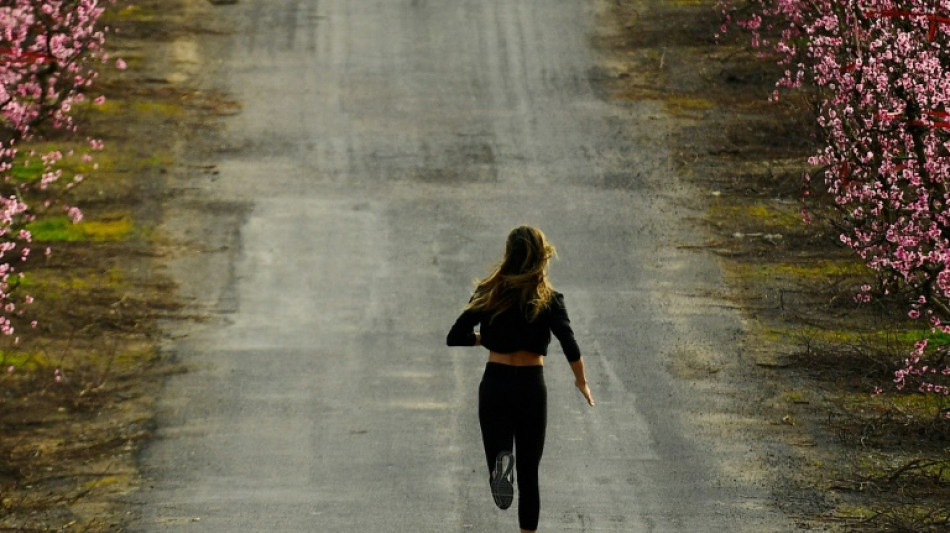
x,y
383,151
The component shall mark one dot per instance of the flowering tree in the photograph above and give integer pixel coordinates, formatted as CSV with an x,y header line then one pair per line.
x,y
48,49
881,71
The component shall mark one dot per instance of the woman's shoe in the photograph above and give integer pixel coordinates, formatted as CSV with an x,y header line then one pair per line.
x,y
503,479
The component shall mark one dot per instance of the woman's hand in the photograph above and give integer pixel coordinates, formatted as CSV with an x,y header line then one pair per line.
x,y
585,390
580,380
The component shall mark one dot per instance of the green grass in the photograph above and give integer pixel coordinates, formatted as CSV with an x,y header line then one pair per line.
x,y
758,215
914,335
29,168
685,105
161,109
116,107
854,512
28,172
23,361
831,337
56,283
130,13
61,229
827,269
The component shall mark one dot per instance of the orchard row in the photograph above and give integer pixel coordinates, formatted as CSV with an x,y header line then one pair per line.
x,y
879,69
49,54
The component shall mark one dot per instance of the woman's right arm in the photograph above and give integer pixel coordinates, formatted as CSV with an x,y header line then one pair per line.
x,y
561,327
580,380
463,331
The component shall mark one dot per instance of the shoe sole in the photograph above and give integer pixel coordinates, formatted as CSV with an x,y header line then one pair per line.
x,y
502,488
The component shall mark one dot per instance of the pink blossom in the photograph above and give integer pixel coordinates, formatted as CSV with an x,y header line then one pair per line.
x,y
880,69
74,214
49,51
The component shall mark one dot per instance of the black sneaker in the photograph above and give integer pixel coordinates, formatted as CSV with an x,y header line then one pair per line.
x,y
503,479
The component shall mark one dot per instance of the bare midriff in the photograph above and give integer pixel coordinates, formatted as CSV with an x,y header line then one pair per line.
x,y
519,358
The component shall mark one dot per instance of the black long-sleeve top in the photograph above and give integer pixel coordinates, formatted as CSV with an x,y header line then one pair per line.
x,y
512,330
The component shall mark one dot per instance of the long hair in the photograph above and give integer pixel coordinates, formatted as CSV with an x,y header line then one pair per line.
x,y
521,279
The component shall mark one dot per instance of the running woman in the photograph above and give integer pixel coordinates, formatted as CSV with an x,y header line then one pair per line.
x,y
516,309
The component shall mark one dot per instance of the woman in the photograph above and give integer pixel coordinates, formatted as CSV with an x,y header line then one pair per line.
x,y
517,310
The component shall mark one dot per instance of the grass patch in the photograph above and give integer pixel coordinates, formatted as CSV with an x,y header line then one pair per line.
x,y
810,336
915,404
55,283
684,105
30,168
133,359
131,13
855,512
151,109
818,270
163,109
796,397
23,362
915,335
105,481
28,171
62,229
756,215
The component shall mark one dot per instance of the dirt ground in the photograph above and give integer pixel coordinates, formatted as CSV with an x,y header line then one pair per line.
x,y
68,448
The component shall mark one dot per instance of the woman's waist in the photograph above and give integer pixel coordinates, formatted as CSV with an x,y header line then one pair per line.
x,y
516,358
534,339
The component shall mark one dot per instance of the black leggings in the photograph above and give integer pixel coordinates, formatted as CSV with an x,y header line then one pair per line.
x,y
513,412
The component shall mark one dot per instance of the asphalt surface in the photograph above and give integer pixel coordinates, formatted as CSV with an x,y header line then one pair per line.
x,y
383,151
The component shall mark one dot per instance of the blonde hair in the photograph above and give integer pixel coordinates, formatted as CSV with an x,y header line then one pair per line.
x,y
520,279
